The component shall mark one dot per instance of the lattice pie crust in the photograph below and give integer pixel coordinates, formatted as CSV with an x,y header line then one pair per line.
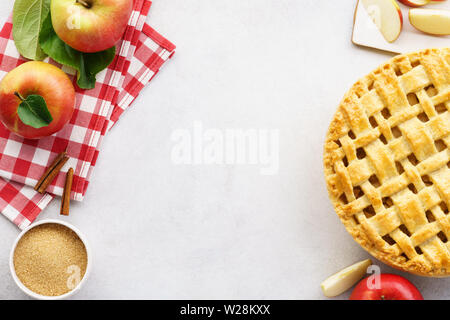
x,y
387,162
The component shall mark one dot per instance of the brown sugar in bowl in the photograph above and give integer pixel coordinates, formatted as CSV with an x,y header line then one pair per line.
x,y
50,260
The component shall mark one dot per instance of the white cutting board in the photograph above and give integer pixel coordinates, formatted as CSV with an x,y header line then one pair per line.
x,y
366,33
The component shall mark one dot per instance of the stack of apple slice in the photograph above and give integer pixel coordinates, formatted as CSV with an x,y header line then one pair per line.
x,y
386,14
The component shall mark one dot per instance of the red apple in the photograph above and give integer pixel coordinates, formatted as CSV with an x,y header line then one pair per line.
x,y
31,79
90,25
389,287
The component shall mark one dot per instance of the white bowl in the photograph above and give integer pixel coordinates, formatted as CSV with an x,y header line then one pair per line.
x,y
37,295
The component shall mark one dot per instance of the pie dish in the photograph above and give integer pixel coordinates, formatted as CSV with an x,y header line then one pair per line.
x,y
386,162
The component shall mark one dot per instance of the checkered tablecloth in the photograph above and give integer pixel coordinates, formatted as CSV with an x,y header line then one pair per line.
x,y
139,57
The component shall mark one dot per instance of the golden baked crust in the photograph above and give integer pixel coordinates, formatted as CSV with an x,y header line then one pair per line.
x,y
386,162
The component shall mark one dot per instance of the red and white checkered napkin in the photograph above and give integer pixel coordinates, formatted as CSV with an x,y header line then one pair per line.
x,y
139,56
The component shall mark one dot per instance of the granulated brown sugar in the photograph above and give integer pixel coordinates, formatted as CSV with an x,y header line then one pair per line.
x,y
47,256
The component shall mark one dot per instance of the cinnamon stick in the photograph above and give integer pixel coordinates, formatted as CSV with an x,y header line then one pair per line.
x,y
65,203
51,173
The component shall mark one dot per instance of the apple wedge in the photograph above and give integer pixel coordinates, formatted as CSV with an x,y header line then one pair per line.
x,y
387,16
345,279
415,3
431,21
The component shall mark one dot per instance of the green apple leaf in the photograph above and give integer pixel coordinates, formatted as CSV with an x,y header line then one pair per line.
x,y
33,111
28,17
88,65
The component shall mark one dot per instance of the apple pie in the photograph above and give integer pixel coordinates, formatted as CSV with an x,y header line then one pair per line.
x,y
386,162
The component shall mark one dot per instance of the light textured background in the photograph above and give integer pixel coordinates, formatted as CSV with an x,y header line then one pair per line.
x,y
224,232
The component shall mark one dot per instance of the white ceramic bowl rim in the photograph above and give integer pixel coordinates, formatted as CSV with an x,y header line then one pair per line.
x,y
37,295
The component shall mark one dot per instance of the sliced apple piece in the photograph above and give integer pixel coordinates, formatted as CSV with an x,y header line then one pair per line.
x,y
345,279
415,3
431,21
386,14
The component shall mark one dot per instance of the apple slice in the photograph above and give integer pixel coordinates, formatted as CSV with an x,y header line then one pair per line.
x,y
345,279
386,14
431,21
415,3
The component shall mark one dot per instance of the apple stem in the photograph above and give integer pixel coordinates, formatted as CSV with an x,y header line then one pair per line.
x,y
84,3
18,95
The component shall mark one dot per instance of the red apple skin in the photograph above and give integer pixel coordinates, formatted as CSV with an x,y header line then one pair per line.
x,y
46,80
392,287
100,26
401,19
411,4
